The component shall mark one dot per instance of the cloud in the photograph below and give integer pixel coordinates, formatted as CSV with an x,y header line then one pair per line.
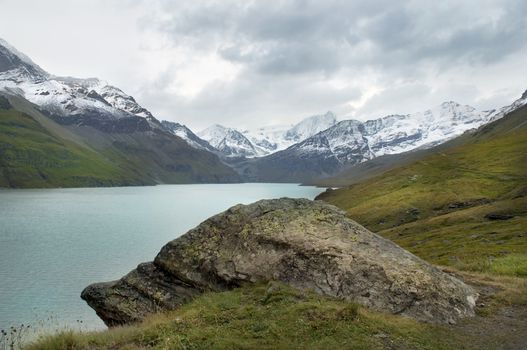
x,y
253,62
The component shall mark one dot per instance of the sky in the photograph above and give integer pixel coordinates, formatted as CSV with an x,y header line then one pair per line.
x,y
246,64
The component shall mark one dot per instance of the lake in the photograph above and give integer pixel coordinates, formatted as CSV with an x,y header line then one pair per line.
x,y
54,242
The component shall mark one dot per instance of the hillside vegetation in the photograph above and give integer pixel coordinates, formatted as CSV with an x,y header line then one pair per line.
x,y
37,152
275,316
463,206
31,156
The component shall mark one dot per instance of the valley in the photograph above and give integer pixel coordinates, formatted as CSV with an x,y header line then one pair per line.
x,y
417,237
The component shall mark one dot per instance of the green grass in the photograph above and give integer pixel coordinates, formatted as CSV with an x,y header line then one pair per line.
x,y
37,152
512,265
257,317
436,207
31,156
275,316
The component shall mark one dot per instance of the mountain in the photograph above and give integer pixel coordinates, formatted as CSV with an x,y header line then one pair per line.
x,y
186,134
379,165
310,126
84,132
462,203
230,142
276,138
269,138
320,155
69,101
352,142
251,143
400,133
14,62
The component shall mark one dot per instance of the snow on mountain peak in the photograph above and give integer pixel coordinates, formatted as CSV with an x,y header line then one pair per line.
x,y
496,114
65,97
353,141
279,137
310,126
230,142
186,134
16,65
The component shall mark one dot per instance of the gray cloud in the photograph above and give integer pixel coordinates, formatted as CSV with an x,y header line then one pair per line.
x,y
254,100
301,35
287,58
287,49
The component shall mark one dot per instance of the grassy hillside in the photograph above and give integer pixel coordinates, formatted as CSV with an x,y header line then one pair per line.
x,y
446,206
37,152
278,317
31,156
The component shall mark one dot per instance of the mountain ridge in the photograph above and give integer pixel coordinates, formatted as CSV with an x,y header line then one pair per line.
x,y
116,141
351,142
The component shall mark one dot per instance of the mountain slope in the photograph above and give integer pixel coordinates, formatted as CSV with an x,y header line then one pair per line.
x,y
320,155
186,134
376,166
230,142
310,126
463,205
350,142
89,157
32,156
277,138
127,145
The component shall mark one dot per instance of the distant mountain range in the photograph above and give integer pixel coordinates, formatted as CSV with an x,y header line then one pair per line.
x,y
230,142
263,141
320,146
145,150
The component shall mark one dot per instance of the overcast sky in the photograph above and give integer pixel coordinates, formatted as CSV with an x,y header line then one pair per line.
x,y
249,63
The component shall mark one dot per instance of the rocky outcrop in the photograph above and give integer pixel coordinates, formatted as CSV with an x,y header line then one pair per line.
x,y
306,244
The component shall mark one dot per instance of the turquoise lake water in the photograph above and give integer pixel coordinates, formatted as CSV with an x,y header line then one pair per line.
x,y
54,242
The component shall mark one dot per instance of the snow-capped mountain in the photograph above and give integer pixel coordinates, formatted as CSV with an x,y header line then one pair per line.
x,y
345,141
230,142
264,140
269,138
277,138
102,120
496,114
351,142
310,126
321,134
401,133
186,134
16,65
88,101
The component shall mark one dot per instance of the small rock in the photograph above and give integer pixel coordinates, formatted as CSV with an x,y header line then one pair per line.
x,y
497,216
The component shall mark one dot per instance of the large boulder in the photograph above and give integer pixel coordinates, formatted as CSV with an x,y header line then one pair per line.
x,y
306,244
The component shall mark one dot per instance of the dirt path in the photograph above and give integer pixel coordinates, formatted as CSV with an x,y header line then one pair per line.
x,y
501,322
504,330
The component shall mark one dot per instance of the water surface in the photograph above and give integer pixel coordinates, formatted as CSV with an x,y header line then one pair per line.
x,y
54,242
